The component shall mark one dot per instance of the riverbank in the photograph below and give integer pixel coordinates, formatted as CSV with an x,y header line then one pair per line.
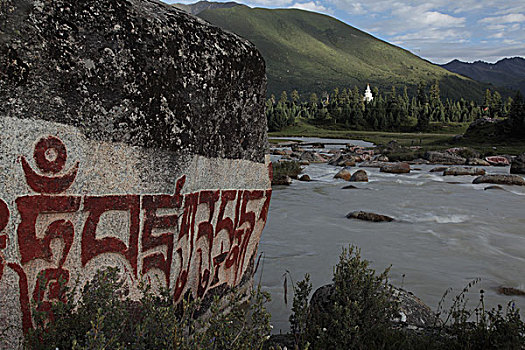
x,y
444,136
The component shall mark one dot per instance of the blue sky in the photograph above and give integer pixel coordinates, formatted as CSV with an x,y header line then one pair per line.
x,y
436,30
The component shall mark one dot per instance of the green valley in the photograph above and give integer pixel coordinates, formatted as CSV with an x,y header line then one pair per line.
x,y
312,52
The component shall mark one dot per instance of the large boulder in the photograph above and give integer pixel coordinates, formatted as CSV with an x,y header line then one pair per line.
x,y
367,216
498,160
372,164
131,131
477,162
457,171
412,312
312,157
343,174
395,168
438,169
500,180
342,160
359,176
444,158
518,165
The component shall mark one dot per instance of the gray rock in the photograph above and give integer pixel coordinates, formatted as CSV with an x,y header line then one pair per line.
x,y
460,171
305,178
119,117
500,180
518,165
312,157
350,187
379,158
372,164
438,169
139,72
412,312
342,160
494,188
499,160
395,168
477,161
359,176
282,181
343,174
444,158
366,216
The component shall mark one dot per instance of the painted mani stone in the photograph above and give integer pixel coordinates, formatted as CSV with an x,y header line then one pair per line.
x,y
141,150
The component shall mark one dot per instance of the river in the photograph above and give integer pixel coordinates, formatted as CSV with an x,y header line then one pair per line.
x,y
448,232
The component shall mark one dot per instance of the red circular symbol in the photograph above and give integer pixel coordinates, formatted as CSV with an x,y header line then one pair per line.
x,y
50,155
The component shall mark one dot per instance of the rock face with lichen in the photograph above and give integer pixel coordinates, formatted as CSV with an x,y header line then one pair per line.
x,y
133,71
132,135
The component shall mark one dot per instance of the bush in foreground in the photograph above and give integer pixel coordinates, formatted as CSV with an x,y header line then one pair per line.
x,y
360,309
105,318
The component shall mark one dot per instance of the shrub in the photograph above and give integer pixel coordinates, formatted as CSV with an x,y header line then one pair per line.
x,y
358,310
105,318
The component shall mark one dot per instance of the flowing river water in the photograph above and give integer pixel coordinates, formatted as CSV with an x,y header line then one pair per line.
x,y
448,232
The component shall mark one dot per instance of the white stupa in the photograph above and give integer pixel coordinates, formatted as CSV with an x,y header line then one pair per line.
x,y
368,94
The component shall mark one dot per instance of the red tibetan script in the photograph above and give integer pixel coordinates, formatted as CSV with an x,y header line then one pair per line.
x,y
157,238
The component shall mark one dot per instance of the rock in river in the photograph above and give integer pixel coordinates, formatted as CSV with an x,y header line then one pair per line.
x,y
500,180
366,216
395,168
343,174
518,165
412,312
477,161
444,158
359,176
305,178
457,171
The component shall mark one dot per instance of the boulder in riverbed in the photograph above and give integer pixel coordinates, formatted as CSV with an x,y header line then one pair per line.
x,y
477,161
282,180
500,180
511,291
444,158
305,178
312,157
463,171
359,176
438,169
494,188
498,160
518,165
413,313
340,159
395,168
372,164
367,216
343,174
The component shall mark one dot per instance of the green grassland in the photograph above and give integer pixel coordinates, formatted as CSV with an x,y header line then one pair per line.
x,y
442,138
311,52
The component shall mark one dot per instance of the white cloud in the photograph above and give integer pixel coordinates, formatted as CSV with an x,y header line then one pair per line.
x,y
437,19
311,6
510,18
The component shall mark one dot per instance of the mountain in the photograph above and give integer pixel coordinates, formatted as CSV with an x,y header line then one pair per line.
x,y
312,52
200,6
509,72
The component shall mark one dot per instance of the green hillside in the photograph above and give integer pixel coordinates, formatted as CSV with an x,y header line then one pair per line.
x,y
312,52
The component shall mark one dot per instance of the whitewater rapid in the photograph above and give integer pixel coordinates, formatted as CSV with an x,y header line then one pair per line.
x,y
447,233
